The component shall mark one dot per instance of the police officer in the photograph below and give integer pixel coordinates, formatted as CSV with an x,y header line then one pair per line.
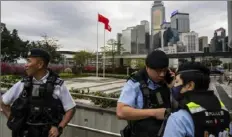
x,y
145,97
201,113
40,105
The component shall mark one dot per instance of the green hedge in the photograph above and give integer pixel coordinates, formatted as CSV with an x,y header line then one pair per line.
x,y
101,102
68,75
8,80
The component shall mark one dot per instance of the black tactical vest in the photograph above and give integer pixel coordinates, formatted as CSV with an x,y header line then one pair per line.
x,y
209,115
158,98
44,109
36,110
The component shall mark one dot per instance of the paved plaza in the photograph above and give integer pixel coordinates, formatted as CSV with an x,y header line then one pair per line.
x,y
223,91
94,84
111,85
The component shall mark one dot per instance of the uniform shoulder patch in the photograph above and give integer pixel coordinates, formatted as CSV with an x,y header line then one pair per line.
x,y
59,81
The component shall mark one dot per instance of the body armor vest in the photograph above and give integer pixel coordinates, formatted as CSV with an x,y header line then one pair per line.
x,y
158,98
210,117
42,110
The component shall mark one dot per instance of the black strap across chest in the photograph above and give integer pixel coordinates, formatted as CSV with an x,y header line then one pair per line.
x,y
160,97
52,80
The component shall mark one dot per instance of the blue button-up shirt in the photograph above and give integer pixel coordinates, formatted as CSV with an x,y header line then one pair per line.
x,y
132,95
179,124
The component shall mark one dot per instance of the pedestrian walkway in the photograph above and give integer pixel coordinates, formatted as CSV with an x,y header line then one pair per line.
x,y
94,83
227,88
224,97
220,91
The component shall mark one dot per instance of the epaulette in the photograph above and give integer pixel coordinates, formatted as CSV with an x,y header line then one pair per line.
x,y
132,76
138,75
59,81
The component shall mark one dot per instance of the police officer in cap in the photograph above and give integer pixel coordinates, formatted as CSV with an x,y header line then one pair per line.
x,y
145,97
201,113
40,105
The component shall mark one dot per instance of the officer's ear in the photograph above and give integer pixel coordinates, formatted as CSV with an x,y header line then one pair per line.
x,y
40,63
190,85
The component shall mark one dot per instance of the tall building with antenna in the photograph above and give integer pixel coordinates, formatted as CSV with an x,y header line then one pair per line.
x,y
157,18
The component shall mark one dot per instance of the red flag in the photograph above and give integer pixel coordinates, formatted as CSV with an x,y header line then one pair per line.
x,y
107,27
103,19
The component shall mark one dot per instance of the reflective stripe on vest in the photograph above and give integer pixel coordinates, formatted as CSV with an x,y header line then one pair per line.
x,y
195,108
223,106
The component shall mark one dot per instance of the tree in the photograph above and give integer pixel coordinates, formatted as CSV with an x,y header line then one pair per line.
x,y
215,62
227,66
141,63
111,49
193,59
51,45
12,47
212,62
81,57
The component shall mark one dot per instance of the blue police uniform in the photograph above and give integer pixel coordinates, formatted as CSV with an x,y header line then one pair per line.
x,y
179,124
132,95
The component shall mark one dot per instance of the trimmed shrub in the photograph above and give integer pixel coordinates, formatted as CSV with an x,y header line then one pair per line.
x,y
67,70
12,69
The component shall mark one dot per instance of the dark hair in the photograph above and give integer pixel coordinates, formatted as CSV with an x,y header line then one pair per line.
x,y
157,59
196,72
46,62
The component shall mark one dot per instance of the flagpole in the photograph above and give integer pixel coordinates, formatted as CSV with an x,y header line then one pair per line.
x,y
104,56
97,51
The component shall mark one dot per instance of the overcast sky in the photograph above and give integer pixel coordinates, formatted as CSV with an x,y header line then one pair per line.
x,y
74,23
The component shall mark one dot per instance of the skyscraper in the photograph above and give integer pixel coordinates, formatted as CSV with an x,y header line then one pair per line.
x,y
134,40
138,40
119,42
229,12
126,39
157,18
164,29
218,43
203,43
165,25
180,22
146,24
190,40
147,34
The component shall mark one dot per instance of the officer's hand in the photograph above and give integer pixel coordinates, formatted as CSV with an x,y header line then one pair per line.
x,y
159,113
53,132
170,78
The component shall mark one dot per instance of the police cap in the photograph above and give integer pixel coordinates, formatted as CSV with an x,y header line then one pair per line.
x,y
157,59
37,52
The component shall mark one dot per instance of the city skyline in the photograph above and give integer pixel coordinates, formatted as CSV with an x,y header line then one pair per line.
x,y
77,23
